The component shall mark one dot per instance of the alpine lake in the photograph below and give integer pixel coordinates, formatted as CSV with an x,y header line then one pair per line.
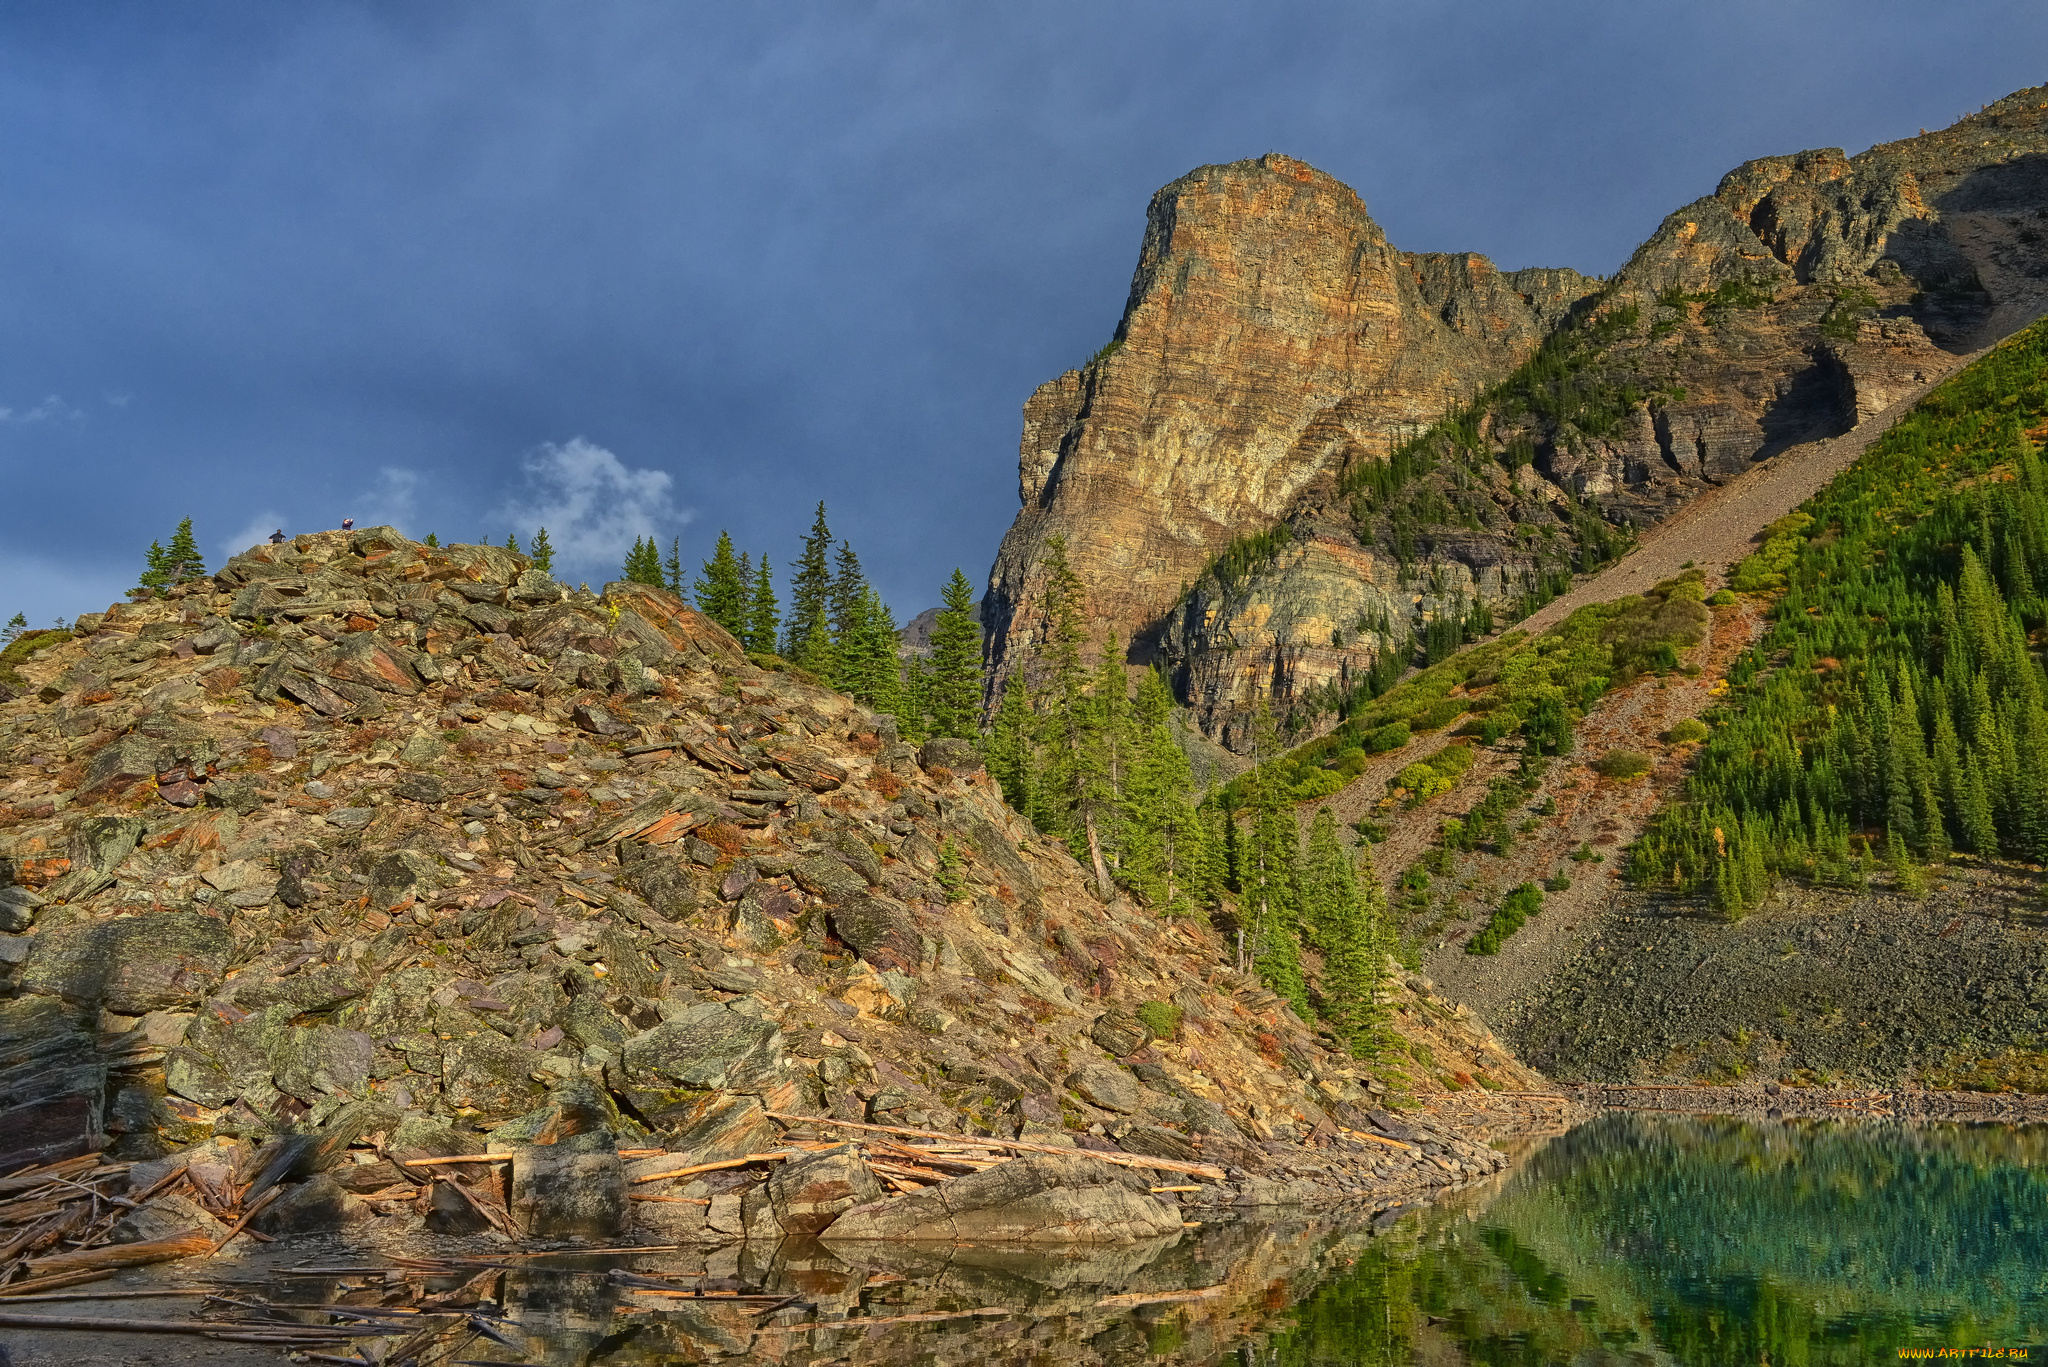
x,y
1632,1238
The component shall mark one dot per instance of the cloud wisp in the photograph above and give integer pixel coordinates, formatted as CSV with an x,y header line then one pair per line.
x,y
53,408
593,504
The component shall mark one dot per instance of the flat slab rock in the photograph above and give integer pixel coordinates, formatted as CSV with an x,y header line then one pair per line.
x,y
1045,1199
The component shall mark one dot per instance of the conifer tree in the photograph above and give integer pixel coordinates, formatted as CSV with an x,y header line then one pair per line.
x,y
643,565
868,668
956,663
721,591
542,551
1345,910
1011,759
1111,735
762,619
156,573
512,543
430,539
1164,842
672,568
914,714
1066,797
16,624
1267,905
807,632
844,600
182,560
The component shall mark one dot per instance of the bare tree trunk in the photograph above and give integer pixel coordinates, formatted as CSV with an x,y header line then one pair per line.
x,y
1103,887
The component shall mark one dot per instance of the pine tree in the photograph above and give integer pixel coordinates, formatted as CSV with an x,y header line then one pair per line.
x,y
430,539
867,657
1345,909
844,599
1111,734
643,564
956,663
914,716
1164,838
807,632
1267,903
512,543
16,624
542,551
1067,798
722,590
182,561
156,573
762,619
672,568
1011,760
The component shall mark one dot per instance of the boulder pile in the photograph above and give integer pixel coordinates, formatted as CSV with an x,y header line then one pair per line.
x,y
375,881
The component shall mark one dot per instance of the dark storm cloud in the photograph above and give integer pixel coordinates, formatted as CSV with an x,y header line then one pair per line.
x,y
662,268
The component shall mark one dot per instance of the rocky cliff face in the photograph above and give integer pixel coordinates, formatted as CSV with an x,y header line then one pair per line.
x,y
1806,293
1272,334
413,850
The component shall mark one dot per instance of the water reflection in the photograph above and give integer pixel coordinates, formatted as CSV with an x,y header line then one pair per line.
x,y
1633,1239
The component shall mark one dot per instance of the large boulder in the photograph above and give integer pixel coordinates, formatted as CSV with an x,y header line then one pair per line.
x,y
880,930
1112,1089
1036,1200
1120,1033
133,965
708,1048
804,1195
714,1126
574,1188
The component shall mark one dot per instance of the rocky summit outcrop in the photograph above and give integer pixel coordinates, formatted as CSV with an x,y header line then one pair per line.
x,y
1271,335
364,853
1259,374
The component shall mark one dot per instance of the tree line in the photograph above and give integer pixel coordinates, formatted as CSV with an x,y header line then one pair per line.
x,y
1095,764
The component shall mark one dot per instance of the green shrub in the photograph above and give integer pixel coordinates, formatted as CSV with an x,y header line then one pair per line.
x,y
1622,764
1690,731
1515,910
1722,599
1557,882
1392,736
1161,1018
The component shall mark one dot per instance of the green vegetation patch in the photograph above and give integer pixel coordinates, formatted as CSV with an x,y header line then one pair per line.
x,y
1538,688
1897,697
1514,912
19,650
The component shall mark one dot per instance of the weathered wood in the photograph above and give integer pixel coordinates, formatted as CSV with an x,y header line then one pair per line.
x,y
1122,1160
125,1255
458,1158
712,1167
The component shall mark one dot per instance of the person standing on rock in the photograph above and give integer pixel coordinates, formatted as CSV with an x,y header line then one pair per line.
x,y
348,524
277,537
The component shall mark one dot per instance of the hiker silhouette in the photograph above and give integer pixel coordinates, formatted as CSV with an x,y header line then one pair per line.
x,y
348,524
277,537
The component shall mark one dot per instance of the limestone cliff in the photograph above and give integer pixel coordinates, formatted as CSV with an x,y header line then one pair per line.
x,y
1275,350
1271,334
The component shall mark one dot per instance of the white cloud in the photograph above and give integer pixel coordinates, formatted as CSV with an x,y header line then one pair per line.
x,y
117,400
51,409
593,504
252,535
387,503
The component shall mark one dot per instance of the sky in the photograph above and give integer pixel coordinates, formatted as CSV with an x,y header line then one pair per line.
x,y
624,269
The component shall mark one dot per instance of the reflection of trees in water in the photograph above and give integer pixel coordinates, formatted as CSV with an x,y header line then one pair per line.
x,y
1711,1241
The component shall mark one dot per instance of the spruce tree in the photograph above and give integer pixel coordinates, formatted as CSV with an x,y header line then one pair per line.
x,y
542,551
807,632
914,717
762,619
1011,760
846,596
1067,798
430,539
181,558
1344,908
672,568
869,670
1111,735
1267,905
1164,838
16,624
722,591
156,573
643,565
956,663
512,543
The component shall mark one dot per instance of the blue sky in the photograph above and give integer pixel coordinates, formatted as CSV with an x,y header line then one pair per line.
x,y
670,268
